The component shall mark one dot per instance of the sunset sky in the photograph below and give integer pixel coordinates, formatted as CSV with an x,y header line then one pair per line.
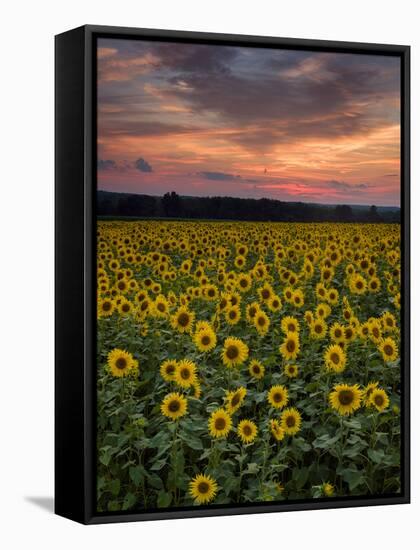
x,y
205,120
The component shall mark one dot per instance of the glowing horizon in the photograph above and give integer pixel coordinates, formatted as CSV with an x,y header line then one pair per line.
x,y
205,120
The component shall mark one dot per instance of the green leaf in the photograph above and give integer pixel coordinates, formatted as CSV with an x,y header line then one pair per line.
x,y
137,474
252,468
164,499
129,501
114,486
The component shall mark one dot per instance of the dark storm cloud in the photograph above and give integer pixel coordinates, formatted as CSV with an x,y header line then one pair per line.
x,y
142,165
277,94
218,176
104,165
184,58
344,186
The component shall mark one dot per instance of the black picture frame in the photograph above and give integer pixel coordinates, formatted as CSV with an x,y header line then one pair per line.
x,y
75,284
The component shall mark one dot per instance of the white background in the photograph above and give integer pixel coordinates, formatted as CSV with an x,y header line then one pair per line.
x,y
26,306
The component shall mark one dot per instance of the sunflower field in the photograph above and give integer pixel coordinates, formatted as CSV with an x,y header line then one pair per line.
x,y
246,362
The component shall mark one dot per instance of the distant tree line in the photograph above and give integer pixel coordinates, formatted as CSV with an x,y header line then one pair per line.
x,y
172,205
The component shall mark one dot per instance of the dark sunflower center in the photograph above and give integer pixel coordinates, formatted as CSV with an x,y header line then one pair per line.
x,y
265,294
337,333
185,374
318,329
235,399
161,307
220,424
379,400
232,314
290,346
290,421
388,349
252,311
359,284
205,340
345,397
203,487
125,307
247,430
256,369
183,319
232,352
291,327
121,363
261,321
174,405
335,358
106,306
170,369
277,397
243,283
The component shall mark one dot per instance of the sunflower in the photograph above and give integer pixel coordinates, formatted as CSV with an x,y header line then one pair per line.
x,y
174,406
235,399
374,285
220,423
251,310
291,371
274,303
337,333
291,421
235,352
197,390
161,306
345,399
261,322
335,358
265,292
388,322
125,307
256,369
357,284
183,319
203,489
205,339
298,298
277,396
379,399
375,331
289,324
247,431
327,489
121,363
233,315
185,373
318,328
276,430
244,282
367,390
290,347
168,369
323,310
106,307
389,349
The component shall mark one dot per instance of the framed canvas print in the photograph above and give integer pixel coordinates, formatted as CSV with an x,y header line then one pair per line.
x,y
232,274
